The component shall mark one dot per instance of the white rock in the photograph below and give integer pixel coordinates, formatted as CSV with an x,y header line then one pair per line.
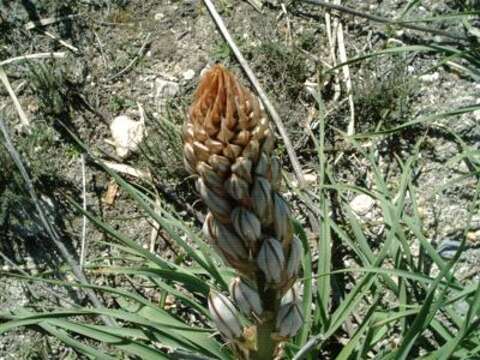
x,y
127,134
430,78
159,16
165,88
311,87
309,179
189,74
362,204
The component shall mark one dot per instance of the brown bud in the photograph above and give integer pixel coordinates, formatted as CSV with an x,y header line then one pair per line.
x,y
243,168
237,187
212,179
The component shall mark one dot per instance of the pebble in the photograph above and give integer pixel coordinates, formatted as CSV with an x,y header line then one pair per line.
x,y
473,237
448,248
362,204
430,78
189,74
159,16
127,134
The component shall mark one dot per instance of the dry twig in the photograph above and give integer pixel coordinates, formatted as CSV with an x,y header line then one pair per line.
x,y
60,41
56,55
128,170
48,21
21,114
84,220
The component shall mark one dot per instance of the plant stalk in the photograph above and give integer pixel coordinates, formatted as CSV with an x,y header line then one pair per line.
x,y
266,345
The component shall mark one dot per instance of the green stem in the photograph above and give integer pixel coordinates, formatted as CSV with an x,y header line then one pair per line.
x,y
266,345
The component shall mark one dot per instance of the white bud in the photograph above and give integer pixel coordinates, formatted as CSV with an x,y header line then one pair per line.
x,y
246,298
228,242
247,225
289,319
295,257
225,316
271,260
262,199
281,219
217,204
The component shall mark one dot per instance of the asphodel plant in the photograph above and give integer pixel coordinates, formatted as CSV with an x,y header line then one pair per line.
x,y
228,147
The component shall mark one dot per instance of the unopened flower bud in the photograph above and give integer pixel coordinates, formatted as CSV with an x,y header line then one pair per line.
x,y
228,242
281,219
215,146
242,138
268,142
207,229
271,260
217,204
246,298
251,150
225,316
262,200
232,151
246,225
219,163
243,168
212,180
201,151
263,165
237,187
289,319
295,257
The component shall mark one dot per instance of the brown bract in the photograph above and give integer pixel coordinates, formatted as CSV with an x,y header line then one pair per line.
x,y
226,126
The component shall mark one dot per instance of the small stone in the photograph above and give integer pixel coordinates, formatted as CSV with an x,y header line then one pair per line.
x,y
362,204
430,78
127,134
189,74
159,16
448,248
473,237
